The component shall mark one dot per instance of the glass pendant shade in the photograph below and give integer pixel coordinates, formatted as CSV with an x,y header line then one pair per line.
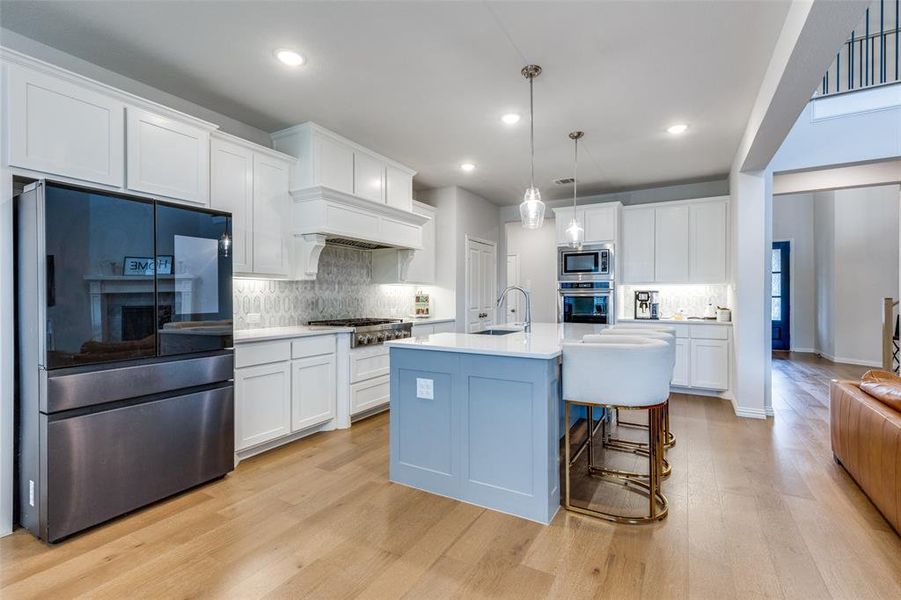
x,y
225,245
575,233
531,210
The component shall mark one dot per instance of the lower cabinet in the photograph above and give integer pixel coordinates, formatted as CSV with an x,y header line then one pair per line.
x,y
710,364
370,394
313,391
370,386
681,372
262,404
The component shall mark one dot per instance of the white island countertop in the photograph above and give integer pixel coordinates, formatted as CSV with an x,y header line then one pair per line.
x,y
279,333
544,342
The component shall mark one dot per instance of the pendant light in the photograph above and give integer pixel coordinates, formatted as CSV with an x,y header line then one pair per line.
x,y
575,232
531,210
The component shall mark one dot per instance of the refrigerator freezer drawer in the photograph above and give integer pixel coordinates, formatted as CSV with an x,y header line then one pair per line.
x,y
105,464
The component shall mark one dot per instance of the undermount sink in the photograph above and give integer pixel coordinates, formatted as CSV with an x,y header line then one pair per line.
x,y
497,332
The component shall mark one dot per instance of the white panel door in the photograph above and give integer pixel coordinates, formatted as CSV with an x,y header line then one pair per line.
x,y
474,316
599,223
681,372
708,242
62,128
489,285
167,157
271,216
369,177
710,364
262,404
313,391
671,244
637,245
398,188
335,164
231,190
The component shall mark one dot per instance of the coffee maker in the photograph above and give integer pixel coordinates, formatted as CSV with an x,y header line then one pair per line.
x,y
647,305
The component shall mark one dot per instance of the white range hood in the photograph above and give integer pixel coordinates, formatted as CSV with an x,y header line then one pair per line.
x,y
323,215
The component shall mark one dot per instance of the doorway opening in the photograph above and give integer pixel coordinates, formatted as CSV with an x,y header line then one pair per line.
x,y
780,308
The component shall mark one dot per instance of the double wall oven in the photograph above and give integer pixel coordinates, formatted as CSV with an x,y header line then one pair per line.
x,y
125,354
586,293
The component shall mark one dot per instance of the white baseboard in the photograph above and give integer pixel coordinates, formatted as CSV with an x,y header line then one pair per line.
x,y
748,413
805,350
851,361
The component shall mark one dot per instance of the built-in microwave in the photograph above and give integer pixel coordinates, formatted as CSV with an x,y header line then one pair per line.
x,y
591,262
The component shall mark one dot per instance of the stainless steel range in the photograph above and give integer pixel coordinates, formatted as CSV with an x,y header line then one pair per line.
x,y
369,332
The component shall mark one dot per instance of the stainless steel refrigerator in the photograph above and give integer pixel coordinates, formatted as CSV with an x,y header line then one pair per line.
x,y
124,354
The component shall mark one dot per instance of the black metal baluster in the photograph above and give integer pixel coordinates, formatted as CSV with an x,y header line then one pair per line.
x,y
881,41
851,62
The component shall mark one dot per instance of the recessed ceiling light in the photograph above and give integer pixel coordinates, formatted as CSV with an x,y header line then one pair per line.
x,y
677,128
290,57
510,119
467,167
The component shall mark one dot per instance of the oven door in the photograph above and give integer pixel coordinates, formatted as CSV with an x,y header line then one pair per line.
x,y
587,264
591,307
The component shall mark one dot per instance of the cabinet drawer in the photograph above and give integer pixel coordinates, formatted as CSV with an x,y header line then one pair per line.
x,y
313,346
370,394
709,332
366,363
261,353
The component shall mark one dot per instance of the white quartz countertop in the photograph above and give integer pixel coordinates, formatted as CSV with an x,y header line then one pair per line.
x,y
544,342
279,333
674,322
430,320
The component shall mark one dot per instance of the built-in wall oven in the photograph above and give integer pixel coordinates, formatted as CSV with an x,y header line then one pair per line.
x,y
591,262
586,302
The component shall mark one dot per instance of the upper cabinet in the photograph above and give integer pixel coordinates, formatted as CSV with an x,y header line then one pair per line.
x,y
326,159
676,242
252,183
167,157
600,222
60,127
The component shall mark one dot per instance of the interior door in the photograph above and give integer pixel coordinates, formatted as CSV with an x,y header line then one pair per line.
x,y
781,300
481,285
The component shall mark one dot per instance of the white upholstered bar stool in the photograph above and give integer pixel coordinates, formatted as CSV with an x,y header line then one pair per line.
x,y
668,334
624,372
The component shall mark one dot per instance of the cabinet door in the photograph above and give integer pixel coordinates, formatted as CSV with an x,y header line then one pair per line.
x,y
313,391
599,223
422,266
398,188
62,128
369,177
167,157
710,364
231,190
335,163
370,394
638,245
708,242
271,216
262,404
681,371
671,244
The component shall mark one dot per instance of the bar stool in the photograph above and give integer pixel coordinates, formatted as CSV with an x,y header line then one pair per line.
x,y
668,334
619,372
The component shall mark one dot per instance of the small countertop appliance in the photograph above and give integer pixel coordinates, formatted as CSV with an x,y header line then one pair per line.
x,y
647,304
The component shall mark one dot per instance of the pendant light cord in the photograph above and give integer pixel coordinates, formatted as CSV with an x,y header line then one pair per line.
x,y
532,131
575,177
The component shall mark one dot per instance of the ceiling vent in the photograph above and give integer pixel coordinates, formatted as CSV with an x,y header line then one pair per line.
x,y
564,181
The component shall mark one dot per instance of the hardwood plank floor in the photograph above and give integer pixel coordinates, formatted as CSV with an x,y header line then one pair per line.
x,y
758,509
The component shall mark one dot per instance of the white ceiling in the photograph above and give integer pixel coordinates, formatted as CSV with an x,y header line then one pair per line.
x,y
426,82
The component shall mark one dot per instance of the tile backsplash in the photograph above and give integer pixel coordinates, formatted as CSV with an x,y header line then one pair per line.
x,y
343,288
692,299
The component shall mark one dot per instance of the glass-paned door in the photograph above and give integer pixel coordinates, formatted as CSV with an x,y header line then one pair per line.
x,y
780,303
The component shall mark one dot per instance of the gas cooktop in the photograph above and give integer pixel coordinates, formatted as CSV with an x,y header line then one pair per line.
x,y
371,331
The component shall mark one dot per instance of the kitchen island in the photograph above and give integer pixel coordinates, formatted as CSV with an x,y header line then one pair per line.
x,y
477,418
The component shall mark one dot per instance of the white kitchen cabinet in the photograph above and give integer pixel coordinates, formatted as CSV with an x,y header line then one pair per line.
x,y
271,216
681,371
399,188
167,157
370,394
710,364
59,127
313,391
671,244
637,245
707,236
599,222
262,403
369,177
335,164
231,190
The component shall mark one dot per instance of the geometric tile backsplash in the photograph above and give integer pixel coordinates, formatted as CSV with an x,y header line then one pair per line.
x,y
343,288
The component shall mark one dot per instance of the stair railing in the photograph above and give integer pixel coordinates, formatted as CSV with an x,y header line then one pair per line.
x,y
891,344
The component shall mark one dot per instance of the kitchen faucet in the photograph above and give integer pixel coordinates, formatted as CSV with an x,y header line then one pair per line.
x,y
528,321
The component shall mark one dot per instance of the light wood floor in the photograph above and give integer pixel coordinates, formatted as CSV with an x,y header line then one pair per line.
x,y
758,510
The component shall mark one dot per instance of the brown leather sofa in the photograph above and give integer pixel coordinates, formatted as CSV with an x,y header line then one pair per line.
x,y
866,441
